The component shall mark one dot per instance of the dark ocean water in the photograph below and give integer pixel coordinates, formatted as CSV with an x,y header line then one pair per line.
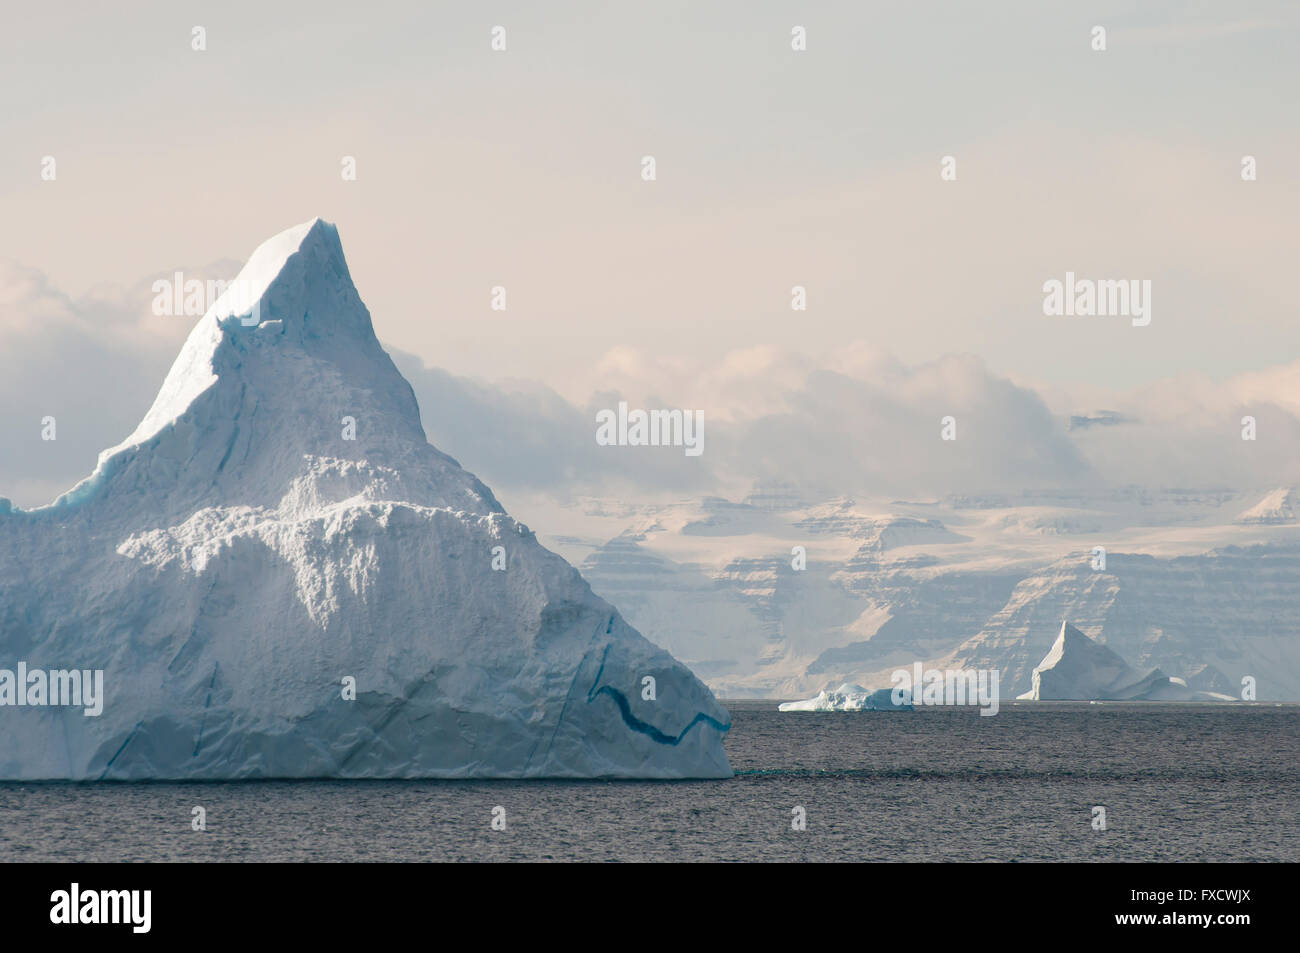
x,y
1179,782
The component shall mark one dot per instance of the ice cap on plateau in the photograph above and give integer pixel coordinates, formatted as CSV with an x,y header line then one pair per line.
x,y
235,558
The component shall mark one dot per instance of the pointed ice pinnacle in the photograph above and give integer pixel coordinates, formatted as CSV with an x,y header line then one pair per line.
x,y
1077,668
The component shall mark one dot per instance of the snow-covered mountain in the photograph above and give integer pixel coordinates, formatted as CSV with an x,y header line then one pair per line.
x,y
973,582
1277,508
277,526
1234,609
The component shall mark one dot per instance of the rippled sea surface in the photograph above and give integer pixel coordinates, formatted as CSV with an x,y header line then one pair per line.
x,y
1178,782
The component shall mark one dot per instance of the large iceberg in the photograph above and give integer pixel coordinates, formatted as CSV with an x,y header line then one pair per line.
x,y
277,530
1077,668
850,697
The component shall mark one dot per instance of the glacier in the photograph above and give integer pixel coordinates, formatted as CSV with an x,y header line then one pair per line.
x,y
278,529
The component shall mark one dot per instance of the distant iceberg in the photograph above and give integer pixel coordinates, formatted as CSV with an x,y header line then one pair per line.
x,y
1078,669
849,697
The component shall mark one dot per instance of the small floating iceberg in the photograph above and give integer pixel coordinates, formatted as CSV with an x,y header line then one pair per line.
x,y
850,697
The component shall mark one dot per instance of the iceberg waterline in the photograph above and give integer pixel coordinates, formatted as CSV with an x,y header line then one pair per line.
x,y
237,558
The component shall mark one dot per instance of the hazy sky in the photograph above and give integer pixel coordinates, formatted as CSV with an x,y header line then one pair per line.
x,y
820,168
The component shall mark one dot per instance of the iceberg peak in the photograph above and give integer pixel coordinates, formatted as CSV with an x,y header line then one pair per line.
x,y
233,420
281,267
291,324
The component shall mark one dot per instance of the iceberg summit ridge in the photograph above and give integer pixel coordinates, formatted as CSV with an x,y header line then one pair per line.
x,y
281,577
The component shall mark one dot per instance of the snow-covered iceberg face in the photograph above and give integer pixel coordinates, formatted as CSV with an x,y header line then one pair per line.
x,y
279,577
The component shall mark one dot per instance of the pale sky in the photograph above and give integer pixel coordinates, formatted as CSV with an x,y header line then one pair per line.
x,y
819,168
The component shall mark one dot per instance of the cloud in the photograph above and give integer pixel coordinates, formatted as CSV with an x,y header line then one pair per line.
x,y
523,435
854,421
92,363
876,427
871,426
861,422
1187,432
